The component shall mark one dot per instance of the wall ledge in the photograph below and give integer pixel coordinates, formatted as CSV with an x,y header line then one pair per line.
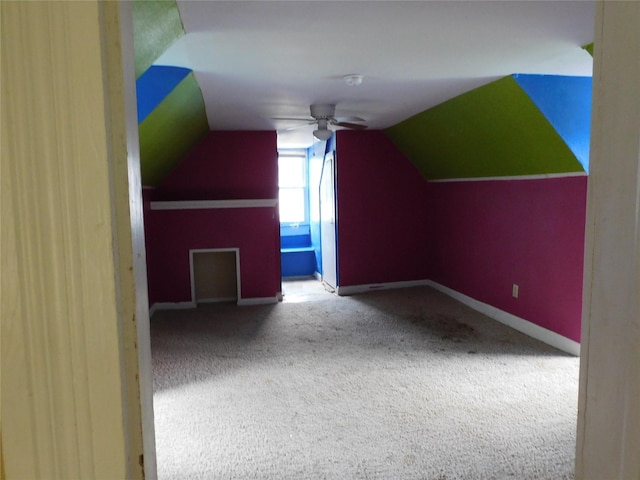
x,y
542,176
210,204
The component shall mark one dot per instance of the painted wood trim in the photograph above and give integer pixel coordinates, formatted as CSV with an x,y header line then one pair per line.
x,y
132,264
243,302
170,306
212,250
516,177
218,300
608,433
62,345
207,204
370,287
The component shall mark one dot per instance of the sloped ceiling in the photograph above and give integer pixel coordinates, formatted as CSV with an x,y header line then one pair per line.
x,y
566,104
174,126
440,63
503,129
260,61
157,25
171,112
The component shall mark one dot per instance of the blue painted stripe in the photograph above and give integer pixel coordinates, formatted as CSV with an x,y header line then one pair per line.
x,y
566,103
298,262
155,85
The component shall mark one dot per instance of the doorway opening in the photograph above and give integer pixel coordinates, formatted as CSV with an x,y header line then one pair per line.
x,y
297,249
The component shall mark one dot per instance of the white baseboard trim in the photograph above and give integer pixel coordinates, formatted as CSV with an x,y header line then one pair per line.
x,y
355,289
202,204
187,305
170,306
528,328
243,302
218,300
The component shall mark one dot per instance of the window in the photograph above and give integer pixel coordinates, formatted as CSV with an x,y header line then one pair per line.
x,y
292,180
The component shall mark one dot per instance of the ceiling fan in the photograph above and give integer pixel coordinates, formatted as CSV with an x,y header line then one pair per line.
x,y
324,115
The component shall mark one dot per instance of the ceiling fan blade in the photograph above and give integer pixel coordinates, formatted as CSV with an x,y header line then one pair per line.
x,y
353,126
297,126
294,119
349,119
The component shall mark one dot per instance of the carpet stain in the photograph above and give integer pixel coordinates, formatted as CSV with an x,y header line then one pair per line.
x,y
410,459
446,327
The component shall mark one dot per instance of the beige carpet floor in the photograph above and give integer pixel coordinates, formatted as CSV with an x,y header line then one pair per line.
x,y
397,384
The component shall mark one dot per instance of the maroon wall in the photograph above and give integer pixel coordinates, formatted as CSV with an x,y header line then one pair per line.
x,y
249,229
226,166
383,228
475,237
223,166
492,234
149,238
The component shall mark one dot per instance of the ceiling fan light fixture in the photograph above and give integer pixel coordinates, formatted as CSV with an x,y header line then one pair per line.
x,y
322,134
354,79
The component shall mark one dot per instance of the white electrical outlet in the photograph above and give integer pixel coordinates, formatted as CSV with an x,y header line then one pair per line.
x,y
515,291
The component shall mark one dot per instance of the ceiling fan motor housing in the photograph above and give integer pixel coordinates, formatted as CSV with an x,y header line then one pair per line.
x,y
323,111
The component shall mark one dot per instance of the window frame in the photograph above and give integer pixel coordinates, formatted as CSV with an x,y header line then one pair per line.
x,y
302,155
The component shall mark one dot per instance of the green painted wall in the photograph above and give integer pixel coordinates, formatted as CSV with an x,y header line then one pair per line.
x,y
156,25
170,131
492,131
180,120
589,48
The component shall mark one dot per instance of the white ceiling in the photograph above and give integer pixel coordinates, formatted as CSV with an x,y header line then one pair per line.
x,y
259,60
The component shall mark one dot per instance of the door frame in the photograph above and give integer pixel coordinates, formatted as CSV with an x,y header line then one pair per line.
x,y
595,409
329,260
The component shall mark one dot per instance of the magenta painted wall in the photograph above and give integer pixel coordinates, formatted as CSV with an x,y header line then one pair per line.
x,y
149,238
252,230
226,166
492,234
223,166
383,208
475,237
